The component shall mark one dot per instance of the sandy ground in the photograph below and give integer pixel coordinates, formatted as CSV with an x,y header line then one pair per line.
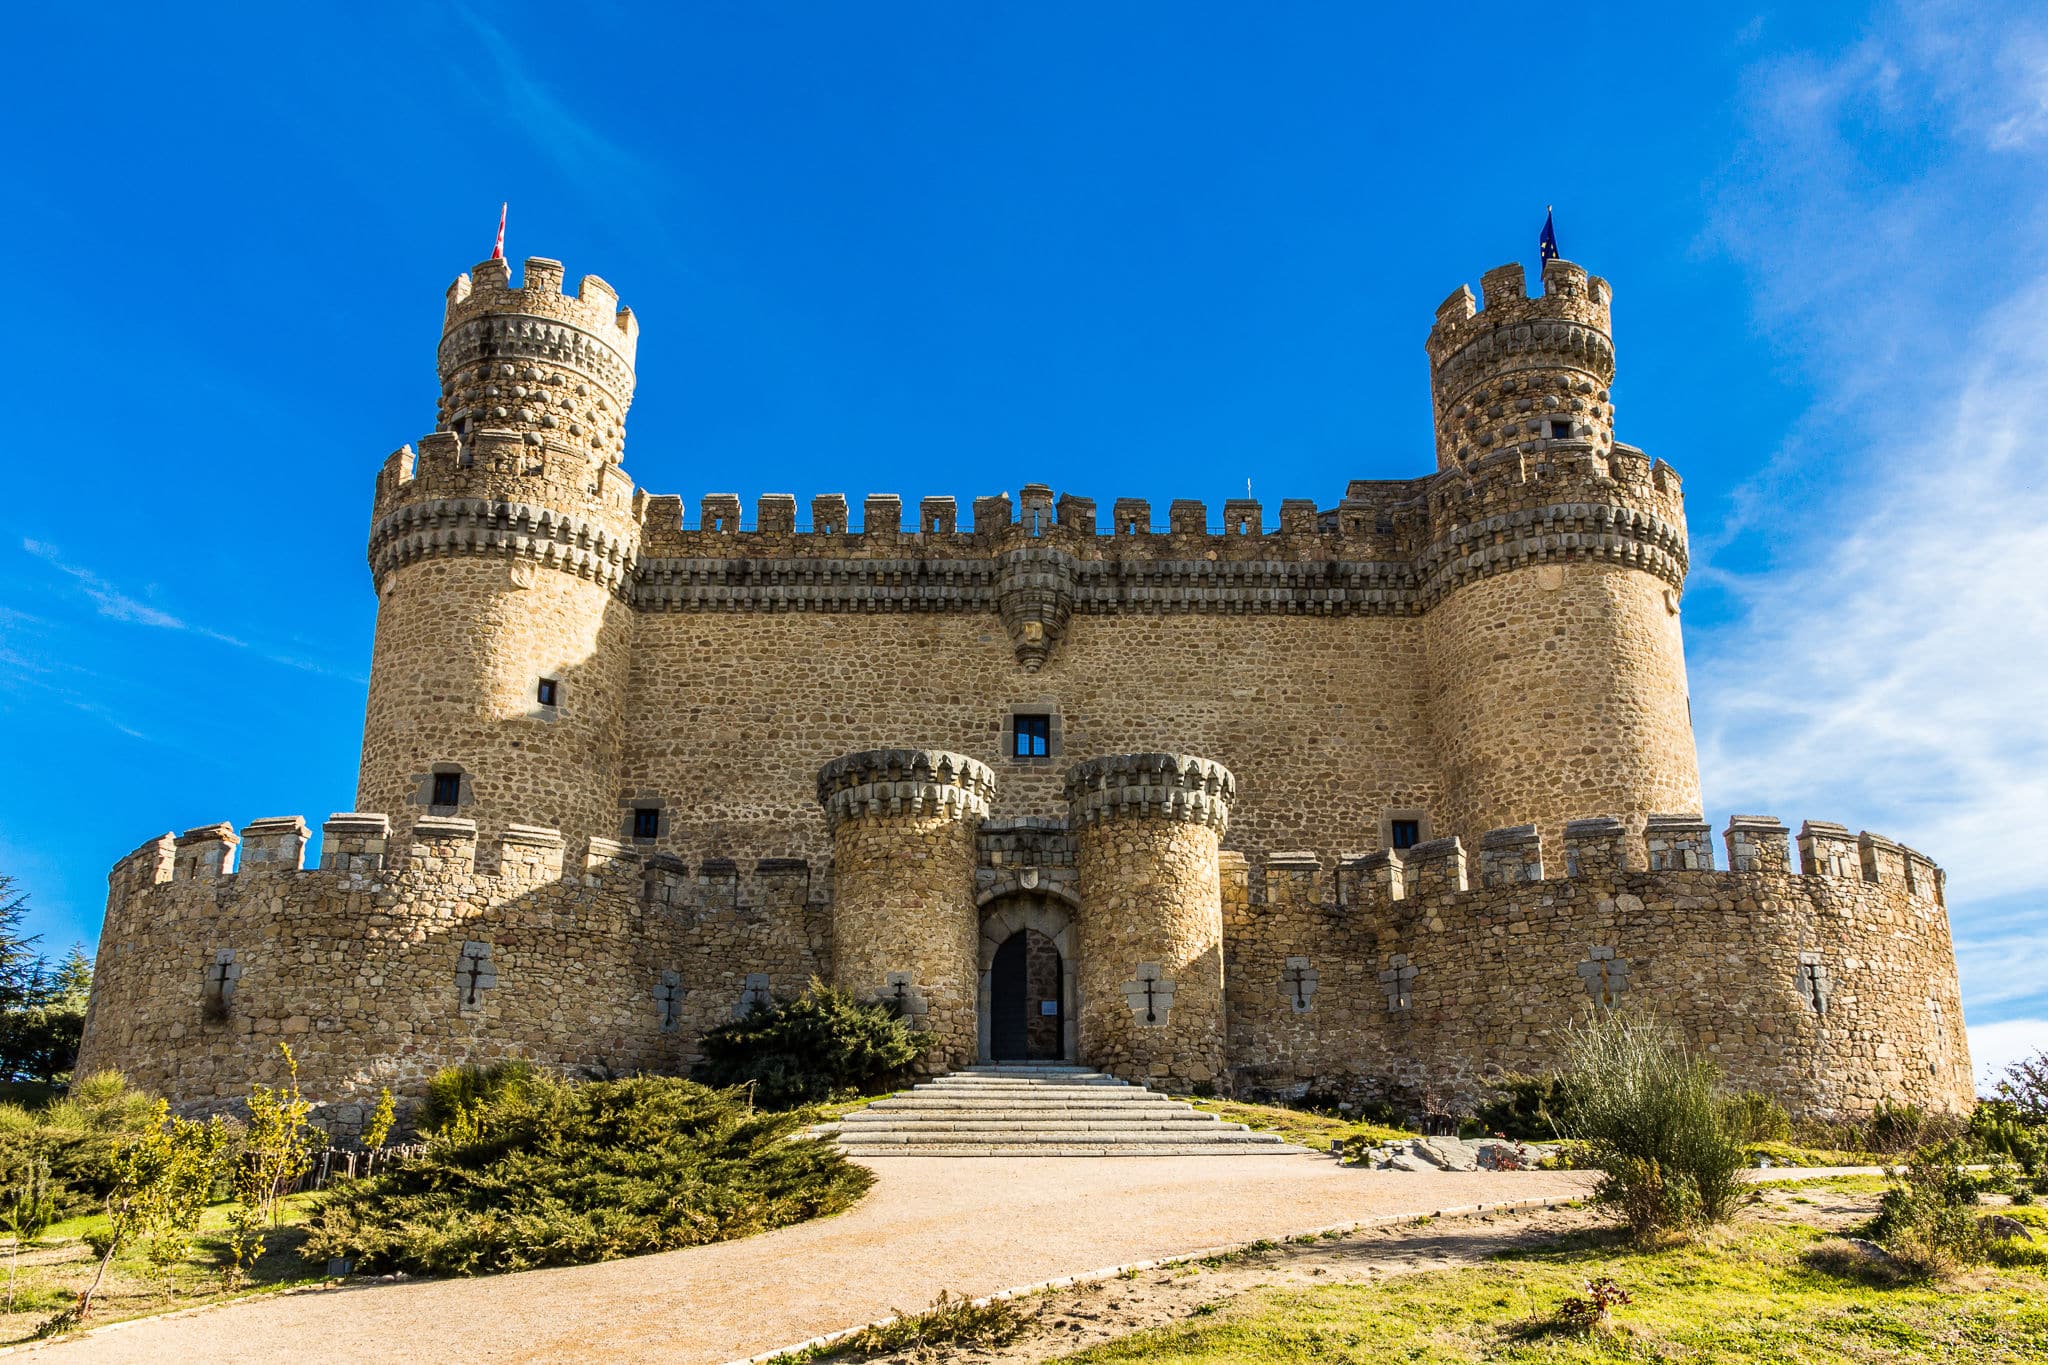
x,y
965,1226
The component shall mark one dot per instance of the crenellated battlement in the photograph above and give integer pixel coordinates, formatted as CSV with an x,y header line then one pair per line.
x,y
415,864
487,290
1602,849
1571,298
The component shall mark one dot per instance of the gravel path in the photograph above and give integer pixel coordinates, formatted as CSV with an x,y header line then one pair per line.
x,y
965,1226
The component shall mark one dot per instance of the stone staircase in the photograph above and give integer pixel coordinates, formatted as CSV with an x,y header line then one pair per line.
x,y
1039,1109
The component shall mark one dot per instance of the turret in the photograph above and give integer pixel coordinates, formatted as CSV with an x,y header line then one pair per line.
x,y
1553,572
1523,372
502,552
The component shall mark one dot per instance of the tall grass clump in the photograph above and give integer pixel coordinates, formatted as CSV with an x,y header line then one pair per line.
x,y
1655,1122
539,1171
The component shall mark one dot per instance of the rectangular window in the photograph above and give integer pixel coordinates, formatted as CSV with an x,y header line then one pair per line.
x,y
1561,431
447,789
1033,738
646,822
547,691
1406,833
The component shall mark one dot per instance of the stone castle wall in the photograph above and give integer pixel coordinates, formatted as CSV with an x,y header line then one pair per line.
x,y
401,955
1412,976
1833,987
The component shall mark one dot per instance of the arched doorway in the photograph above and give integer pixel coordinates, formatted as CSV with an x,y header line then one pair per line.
x,y
1025,1010
1027,1000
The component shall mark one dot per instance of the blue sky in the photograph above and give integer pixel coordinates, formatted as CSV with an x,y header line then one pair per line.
x,y
1131,250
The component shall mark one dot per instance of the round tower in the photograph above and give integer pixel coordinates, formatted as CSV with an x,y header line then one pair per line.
x,y
502,554
1147,827
1553,573
904,923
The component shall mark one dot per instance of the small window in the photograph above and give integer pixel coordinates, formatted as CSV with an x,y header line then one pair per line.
x,y
447,789
1405,833
1560,431
1033,738
547,692
646,822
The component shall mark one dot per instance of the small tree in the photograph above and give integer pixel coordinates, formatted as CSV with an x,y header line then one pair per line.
x,y
2025,1087
377,1131
162,1180
276,1151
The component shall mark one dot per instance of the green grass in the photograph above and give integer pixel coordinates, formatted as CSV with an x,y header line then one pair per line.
x,y
1744,1295
1299,1126
837,1109
50,1273
1788,1154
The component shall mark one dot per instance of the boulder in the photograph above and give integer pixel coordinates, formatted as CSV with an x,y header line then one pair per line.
x,y
1447,1154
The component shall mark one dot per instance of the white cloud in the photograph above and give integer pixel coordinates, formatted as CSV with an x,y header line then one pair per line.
x,y
1887,664
1897,675
1993,1047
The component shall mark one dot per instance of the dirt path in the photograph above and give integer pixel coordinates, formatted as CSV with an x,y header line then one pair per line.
x,y
967,1227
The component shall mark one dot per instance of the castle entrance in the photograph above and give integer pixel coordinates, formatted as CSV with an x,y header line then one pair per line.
x,y
1025,1009
1026,996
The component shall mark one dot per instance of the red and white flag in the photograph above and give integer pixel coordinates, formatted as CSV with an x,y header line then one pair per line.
x,y
498,251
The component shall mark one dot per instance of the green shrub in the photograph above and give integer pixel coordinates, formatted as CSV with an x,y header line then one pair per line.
x,y
1756,1117
74,1139
549,1172
823,1045
1523,1107
1925,1220
1998,1129
2025,1088
1654,1122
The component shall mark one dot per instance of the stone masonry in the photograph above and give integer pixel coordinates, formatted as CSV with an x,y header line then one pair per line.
x,y
621,778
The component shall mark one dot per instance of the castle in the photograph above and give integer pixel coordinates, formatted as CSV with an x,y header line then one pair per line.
x,y
1372,798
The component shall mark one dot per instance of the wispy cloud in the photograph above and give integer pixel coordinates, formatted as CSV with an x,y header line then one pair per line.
x,y
575,142
110,600
118,604
1888,667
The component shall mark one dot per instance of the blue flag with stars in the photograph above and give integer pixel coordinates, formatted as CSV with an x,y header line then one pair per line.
x,y
1546,245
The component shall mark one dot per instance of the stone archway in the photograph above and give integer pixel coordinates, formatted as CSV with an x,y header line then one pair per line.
x,y
1004,918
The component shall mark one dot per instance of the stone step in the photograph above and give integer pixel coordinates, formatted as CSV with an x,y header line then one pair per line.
x,y
969,1135
1042,1110
1026,1088
1010,1108
1001,1125
1074,1149
1009,1105
959,1081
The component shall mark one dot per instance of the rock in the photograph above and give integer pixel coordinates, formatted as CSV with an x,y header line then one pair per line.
x,y
2003,1228
1446,1153
1405,1162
